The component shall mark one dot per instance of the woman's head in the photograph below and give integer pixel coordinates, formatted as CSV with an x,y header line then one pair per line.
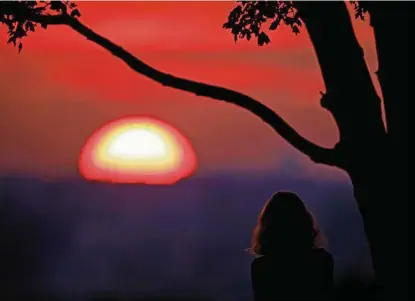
x,y
285,223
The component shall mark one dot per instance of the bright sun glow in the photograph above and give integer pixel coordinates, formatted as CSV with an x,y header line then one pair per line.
x,y
139,144
137,150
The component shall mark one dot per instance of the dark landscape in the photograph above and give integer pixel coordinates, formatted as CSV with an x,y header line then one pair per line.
x,y
92,240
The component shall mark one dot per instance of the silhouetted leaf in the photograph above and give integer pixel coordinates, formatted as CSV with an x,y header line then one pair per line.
x,y
20,46
359,9
263,39
296,30
12,39
75,13
275,24
226,25
29,26
57,5
269,14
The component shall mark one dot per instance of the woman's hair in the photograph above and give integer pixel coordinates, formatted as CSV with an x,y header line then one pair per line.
x,y
285,223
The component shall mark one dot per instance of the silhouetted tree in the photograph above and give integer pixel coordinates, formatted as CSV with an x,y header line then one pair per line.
x,y
373,153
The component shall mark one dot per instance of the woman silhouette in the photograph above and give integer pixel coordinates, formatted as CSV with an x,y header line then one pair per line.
x,y
291,262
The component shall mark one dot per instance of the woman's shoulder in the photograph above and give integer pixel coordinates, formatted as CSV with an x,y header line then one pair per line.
x,y
320,254
323,254
276,260
262,261
263,265
259,259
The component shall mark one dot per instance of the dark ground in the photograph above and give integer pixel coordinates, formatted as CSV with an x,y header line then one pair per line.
x,y
75,239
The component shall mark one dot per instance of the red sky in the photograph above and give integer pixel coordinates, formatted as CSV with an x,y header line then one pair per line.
x,y
62,87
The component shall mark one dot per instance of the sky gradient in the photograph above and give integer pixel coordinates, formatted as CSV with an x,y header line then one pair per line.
x,y
61,88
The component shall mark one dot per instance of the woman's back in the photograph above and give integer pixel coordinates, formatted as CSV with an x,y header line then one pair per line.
x,y
291,275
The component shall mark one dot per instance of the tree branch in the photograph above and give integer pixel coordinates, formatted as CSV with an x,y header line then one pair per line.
x,y
314,152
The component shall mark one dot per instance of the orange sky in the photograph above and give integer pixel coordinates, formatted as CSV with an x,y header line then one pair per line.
x,y
62,87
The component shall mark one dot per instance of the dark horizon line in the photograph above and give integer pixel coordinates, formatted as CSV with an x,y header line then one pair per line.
x,y
237,175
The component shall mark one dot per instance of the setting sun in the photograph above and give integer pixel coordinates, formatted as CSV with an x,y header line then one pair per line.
x,y
137,150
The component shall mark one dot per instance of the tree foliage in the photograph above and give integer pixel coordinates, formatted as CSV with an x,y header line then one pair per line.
x,y
20,16
246,21
248,18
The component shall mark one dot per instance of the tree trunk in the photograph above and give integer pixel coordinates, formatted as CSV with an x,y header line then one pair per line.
x,y
367,153
351,96
385,222
390,22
